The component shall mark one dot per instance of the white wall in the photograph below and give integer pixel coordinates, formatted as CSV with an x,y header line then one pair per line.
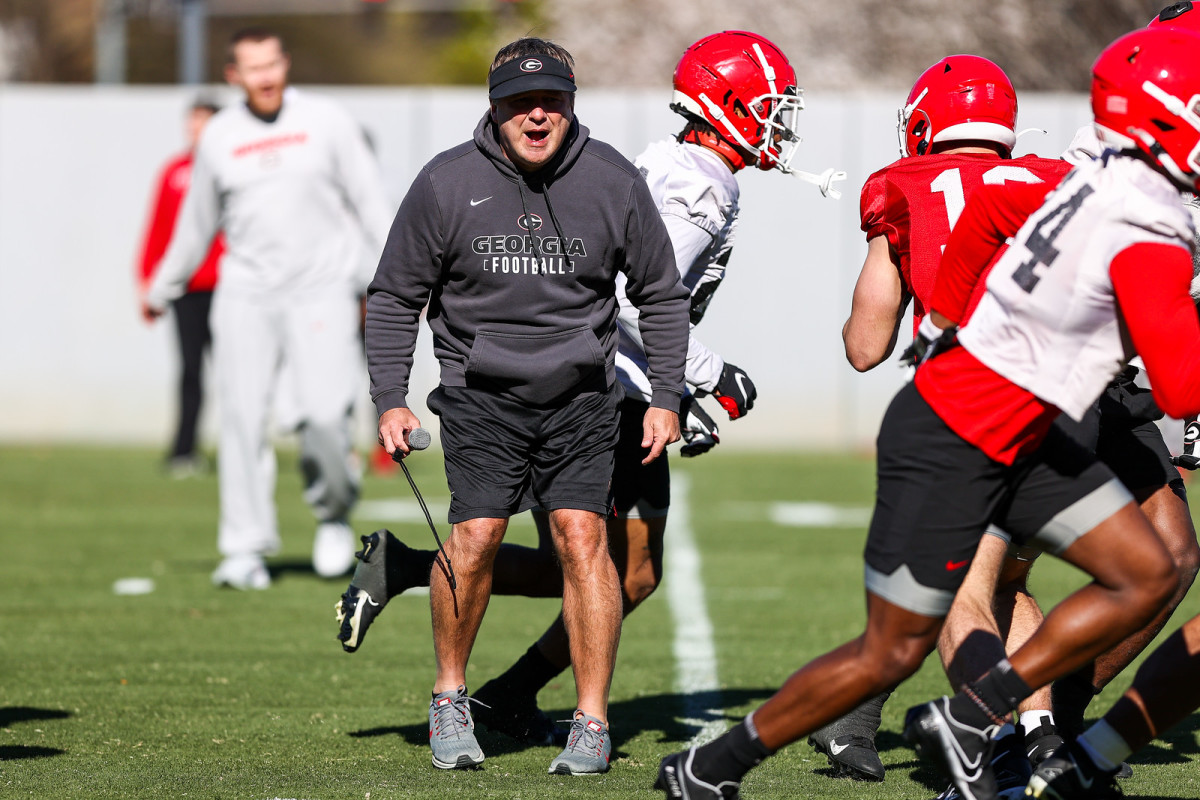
x,y
76,169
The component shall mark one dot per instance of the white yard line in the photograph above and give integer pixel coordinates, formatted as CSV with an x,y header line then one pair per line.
x,y
695,652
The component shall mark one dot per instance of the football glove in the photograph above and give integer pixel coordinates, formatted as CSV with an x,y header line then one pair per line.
x,y
930,341
735,391
696,428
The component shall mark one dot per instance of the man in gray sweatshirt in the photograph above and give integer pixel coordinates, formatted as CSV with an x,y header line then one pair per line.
x,y
515,240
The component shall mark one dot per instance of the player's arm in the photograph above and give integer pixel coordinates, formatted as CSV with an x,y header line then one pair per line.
x,y
877,308
993,214
1151,283
408,271
197,224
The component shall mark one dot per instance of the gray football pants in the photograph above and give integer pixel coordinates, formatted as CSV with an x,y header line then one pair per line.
x,y
309,350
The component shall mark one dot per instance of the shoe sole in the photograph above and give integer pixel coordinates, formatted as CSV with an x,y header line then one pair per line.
x,y
351,627
564,769
464,762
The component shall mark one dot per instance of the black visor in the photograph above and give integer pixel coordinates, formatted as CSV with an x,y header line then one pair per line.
x,y
527,74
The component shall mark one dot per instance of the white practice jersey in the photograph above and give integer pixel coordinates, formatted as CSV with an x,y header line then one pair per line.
x,y
697,196
1048,321
298,200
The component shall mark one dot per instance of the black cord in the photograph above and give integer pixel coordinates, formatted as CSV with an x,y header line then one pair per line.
x,y
429,519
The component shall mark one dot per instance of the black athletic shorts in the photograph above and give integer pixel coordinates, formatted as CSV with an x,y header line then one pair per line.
x,y
1129,442
937,493
639,491
504,457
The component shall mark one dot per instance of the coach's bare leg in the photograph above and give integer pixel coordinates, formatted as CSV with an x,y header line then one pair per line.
x,y
591,604
636,546
472,547
1124,595
895,643
1168,513
993,614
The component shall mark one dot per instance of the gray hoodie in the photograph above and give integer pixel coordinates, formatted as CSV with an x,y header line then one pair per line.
x,y
519,275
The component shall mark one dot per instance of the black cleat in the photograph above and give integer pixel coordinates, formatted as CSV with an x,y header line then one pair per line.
x,y
369,589
1041,742
675,777
1069,774
1009,765
517,716
962,750
849,742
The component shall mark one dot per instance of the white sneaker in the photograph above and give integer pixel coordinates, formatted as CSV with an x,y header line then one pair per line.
x,y
333,549
242,572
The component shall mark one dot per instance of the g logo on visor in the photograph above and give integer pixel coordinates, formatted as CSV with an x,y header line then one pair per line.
x,y
531,65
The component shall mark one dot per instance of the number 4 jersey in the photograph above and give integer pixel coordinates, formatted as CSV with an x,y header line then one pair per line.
x,y
915,202
1111,244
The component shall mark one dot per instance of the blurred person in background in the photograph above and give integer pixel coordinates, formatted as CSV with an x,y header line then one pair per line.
x,y
190,309
289,178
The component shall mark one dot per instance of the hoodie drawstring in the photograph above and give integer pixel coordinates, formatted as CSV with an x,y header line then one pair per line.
x,y
533,240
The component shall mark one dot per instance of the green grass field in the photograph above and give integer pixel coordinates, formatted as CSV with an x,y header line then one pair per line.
x,y
190,691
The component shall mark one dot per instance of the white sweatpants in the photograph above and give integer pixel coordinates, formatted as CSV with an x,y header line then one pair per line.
x,y
318,338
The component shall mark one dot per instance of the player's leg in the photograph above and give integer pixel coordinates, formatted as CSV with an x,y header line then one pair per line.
x,y
325,370
247,346
1164,691
935,494
1071,505
191,324
1138,456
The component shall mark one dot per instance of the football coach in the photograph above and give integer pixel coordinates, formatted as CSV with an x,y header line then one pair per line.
x,y
514,240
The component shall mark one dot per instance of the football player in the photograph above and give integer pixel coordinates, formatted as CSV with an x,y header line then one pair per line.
x,y
957,130
1099,269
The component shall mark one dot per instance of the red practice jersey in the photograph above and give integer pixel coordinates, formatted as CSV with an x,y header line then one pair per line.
x,y
172,188
916,201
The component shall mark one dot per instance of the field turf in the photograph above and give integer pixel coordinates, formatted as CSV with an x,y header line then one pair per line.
x,y
190,691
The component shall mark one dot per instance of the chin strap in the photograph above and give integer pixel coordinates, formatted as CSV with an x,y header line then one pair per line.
x,y
824,181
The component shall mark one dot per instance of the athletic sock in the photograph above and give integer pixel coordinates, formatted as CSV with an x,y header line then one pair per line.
x,y
1070,697
732,755
406,566
530,673
989,700
1104,746
1032,720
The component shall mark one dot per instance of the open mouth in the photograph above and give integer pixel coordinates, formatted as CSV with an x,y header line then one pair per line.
x,y
537,137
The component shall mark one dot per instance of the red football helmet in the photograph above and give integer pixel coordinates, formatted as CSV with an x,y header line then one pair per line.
x,y
957,99
1146,96
1178,15
742,85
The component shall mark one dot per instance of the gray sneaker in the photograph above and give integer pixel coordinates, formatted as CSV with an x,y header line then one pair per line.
x,y
588,748
452,731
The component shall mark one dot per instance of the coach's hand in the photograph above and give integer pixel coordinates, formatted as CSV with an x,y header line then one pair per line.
x,y
735,391
697,428
394,427
660,427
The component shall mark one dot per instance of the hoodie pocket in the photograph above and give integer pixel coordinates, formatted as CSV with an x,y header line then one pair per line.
x,y
536,368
